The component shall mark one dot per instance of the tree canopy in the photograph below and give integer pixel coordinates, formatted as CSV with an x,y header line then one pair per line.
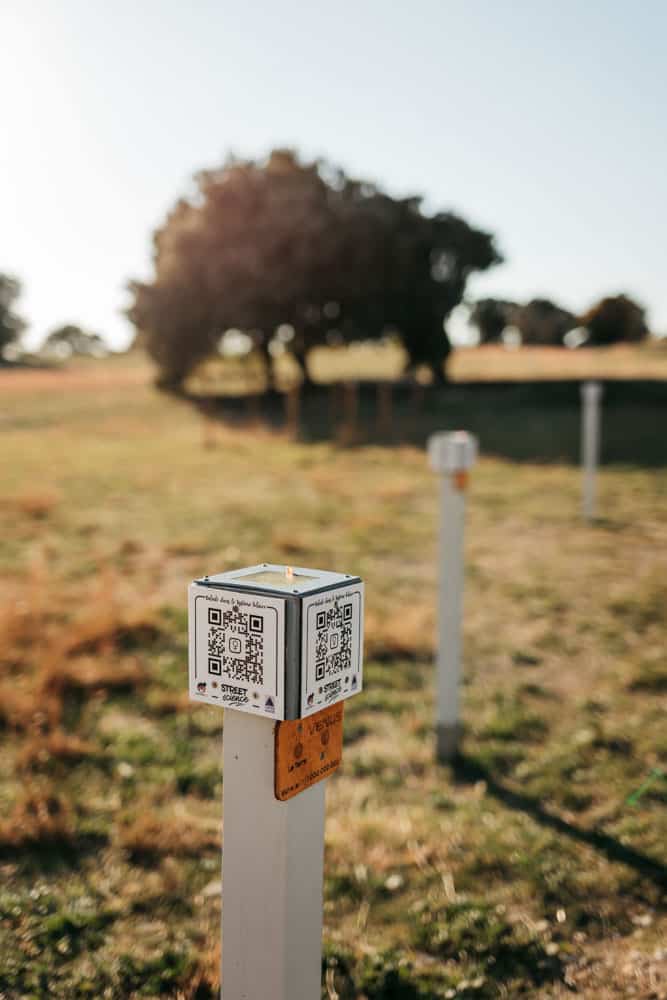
x,y
491,317
11,324
263,244
541,321
71,339
614,319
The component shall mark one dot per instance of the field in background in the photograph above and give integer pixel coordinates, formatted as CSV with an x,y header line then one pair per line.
x,y
522,871
372,361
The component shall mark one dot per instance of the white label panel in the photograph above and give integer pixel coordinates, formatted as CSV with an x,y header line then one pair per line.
x,y
332,647
237,650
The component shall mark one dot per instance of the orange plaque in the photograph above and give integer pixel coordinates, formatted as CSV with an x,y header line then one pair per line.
x,y
307,750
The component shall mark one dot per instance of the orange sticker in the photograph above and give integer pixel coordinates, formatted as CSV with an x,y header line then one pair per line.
x,y
461,479
307,750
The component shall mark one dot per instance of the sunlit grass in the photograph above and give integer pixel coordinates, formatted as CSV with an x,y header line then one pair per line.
x,y
518,872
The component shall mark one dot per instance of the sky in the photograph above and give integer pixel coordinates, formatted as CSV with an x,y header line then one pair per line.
x,y
542,122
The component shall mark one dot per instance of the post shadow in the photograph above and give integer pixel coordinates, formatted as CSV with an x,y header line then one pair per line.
x,y
468,770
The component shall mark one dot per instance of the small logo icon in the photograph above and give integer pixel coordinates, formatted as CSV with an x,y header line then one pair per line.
x,y
270,705
201,687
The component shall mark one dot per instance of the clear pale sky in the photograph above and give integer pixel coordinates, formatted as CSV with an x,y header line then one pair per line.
x,y
542,121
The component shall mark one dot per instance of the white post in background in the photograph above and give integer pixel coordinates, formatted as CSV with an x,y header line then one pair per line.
x,y
591,393
451,455
272,872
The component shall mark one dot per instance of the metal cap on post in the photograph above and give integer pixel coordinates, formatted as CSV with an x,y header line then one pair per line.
x,y
451,454
452,451
281,647
591,391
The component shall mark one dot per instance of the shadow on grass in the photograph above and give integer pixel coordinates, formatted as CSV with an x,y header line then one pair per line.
x,y
467,769
523,421
54,855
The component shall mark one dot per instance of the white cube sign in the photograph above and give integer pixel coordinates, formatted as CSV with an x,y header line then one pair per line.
x,y
331,652
276,641
237,648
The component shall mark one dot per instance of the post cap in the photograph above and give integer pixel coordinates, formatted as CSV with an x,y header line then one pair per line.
x,y
452,451
591,391
280,642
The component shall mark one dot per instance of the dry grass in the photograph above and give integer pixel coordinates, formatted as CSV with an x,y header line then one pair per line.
x,y
149,835
36,505
407,635
56,745
521,872
40,817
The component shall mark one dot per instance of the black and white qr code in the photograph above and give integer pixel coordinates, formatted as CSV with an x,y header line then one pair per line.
x,y
333,641
236,645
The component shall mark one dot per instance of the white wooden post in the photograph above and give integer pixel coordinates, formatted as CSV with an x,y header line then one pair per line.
x,y
451,455
272,871
591,393
280,648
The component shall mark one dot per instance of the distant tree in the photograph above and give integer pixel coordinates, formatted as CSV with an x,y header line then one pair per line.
x,y
11,324
290,244
614,319
491,317
71,339
541,321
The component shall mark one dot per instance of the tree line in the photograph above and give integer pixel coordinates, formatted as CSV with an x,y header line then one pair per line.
x,y
285,244
62,342
300,252
613,319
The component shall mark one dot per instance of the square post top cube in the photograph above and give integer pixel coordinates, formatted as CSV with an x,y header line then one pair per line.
x,y
275,641
452,451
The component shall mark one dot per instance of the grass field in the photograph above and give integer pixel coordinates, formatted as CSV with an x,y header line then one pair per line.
x,y
522,871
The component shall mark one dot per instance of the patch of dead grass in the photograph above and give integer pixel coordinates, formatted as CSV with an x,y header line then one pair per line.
x,y
35,505
410,633
24,707
149,835
42,749
40,817
88,673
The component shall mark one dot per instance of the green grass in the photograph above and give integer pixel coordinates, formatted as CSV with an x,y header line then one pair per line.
x,y
521,871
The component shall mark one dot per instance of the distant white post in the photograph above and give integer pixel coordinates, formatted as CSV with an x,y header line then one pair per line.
x,y
451,455
591,393
280,648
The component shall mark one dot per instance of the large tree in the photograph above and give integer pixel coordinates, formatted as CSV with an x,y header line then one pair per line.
x,y
262,244
72,339
614,319
541,321
11,324
491,317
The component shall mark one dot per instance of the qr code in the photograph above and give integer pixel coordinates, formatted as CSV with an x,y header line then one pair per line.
x,y
236,645
333,641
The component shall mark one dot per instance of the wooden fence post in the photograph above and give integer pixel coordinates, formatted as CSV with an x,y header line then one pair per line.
x,y
348,432
384,408
293,409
